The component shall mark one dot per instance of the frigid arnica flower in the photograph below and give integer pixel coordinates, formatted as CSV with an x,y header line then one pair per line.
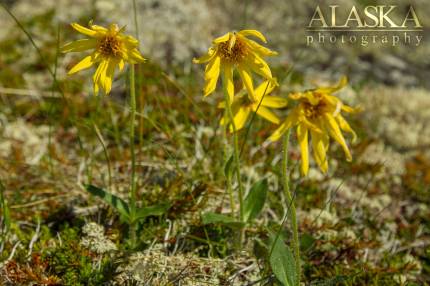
x,y
110,48
242,106
318,112
235,50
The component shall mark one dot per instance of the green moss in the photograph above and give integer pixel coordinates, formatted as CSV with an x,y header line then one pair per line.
x,y
75,265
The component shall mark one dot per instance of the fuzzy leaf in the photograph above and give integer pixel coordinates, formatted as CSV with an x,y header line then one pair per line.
x,y
254,201
154,210
117,203
282,263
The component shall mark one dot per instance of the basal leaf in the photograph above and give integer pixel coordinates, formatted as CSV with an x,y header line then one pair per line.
x,y
117,203
155,210
282,263
254,201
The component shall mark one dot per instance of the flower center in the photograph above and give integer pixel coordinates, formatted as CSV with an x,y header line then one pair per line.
x,y
314,111
109,46
235,53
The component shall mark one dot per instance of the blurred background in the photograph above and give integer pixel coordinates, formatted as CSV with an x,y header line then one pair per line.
x,y
172,32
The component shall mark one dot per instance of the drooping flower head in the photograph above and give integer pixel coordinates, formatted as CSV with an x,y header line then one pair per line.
x,y
242,106
235,51
318,112
111,48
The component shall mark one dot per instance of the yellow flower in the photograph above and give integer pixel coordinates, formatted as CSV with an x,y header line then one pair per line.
x,y
235,51
319,113
242,106
110,48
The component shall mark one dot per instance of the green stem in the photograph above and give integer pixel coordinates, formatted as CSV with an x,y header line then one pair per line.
x,y
228,174
235,154
133,157
290,202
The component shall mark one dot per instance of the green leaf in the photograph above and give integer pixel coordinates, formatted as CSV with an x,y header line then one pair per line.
x,y
282,262
155,210
254,201
227,166
209,217
117,203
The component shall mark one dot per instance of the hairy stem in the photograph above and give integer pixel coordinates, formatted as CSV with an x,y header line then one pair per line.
x,y
235,154
133,156
290,202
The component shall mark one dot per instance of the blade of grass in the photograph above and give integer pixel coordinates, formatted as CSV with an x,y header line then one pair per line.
x,y
105,151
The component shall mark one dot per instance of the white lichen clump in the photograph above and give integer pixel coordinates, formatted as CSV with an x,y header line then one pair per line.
x,y
161,269
401,116
95,240
378,153
322,218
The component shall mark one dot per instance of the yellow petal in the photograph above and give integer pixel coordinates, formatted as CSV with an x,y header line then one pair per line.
x,y
232,42
79,45
102,75
247,81
114,29
267,114
319,146
87,62
228,83
302,136
98,28
258,65
265,88
129,41
101,69
350,109
206,58
211,75
83,30
274,102
254,33
287,124
336,134
223,38
259,49
296,95
238,101
311,125
96,88
311,97
331,89
108,78
345,126
240,118
234,110
332,100
121,64
135,56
